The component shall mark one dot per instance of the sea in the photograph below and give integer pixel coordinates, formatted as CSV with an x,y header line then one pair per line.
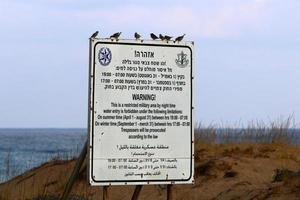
x,y
23,149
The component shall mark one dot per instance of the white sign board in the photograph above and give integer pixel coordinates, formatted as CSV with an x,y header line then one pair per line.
x,y
141,112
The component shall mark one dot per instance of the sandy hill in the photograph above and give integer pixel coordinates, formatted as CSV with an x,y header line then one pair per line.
x,y
225,171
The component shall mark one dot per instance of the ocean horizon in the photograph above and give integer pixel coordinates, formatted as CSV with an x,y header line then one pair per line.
x,y
24,148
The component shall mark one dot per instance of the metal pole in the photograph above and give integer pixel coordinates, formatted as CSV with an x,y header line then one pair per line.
x,y
136,193
75,173
169,192
105,193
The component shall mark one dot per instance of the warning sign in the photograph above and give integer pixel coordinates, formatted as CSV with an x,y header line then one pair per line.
x,y
141,112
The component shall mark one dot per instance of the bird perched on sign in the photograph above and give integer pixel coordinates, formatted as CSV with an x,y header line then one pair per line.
x,y
137,36
94,35
167,37
161,37
115,35
179,38
153,36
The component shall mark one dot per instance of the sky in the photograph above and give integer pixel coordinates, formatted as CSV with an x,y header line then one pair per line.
x,y
246,51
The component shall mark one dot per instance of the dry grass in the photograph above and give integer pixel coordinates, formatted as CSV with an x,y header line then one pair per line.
x,y
280,131
253,150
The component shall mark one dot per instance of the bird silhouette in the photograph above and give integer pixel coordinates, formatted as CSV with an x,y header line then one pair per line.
x,y
115,35
168,37
153,36
137,36
94,35
179,38
161,37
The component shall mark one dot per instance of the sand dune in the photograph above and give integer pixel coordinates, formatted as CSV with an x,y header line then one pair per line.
x,y
225,171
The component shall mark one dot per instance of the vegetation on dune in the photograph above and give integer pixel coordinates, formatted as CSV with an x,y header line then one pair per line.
x,y
280,131
285,174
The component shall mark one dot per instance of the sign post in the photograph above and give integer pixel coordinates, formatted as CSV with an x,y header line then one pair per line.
x,y
141,112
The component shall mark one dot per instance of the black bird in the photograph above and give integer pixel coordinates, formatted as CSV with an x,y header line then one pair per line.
x,y
168,37
94,34
161,37
137,36
115,35
179,38
153,36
